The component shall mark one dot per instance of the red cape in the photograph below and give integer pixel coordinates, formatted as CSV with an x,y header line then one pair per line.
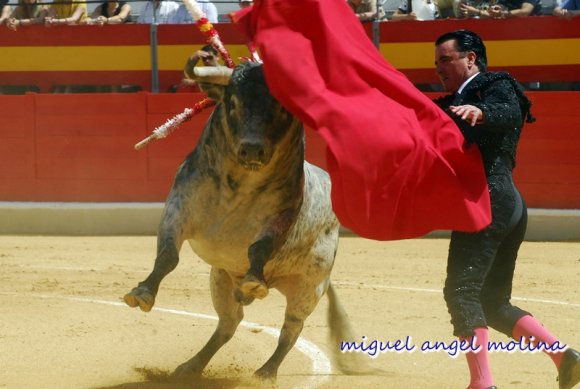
x,y
399,165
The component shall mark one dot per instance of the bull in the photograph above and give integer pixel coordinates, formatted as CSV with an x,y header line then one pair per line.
x,y
252,208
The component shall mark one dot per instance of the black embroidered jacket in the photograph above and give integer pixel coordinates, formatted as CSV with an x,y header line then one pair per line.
x,y
504,107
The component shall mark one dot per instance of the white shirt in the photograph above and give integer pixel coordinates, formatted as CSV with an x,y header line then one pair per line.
x,y
164,14
182,16
465,83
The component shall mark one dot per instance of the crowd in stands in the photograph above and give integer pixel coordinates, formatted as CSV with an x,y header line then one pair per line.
x,y
71,12
67,12
480,9
372,10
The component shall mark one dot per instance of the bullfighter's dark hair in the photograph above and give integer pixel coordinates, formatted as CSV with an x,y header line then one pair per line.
x,y
465,41
210,49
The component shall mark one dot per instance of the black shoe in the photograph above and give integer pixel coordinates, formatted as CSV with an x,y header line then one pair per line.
x,y
569,372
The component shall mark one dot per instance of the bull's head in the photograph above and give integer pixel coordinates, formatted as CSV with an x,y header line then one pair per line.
x,y
253,121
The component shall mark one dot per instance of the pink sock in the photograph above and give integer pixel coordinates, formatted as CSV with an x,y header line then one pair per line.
x,y
528,326
478,362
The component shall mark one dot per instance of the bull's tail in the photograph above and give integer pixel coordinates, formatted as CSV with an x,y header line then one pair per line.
x,y
341,332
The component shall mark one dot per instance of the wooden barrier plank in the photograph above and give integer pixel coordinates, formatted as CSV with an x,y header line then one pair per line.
x,y
549,151
17,113
89,160
18,160
548,173
18,189
556,196
80,104
157,189
90,190
77,157
17,122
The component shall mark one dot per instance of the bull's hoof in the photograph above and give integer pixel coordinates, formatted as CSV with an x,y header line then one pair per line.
x,y
252,287
240,298
187,370
266,375
140,297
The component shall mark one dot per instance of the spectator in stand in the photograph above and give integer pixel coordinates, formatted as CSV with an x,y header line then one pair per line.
x,y
158,12
208,56
245,3
471,8
64,12
405,11
110,12
366,10
445,8
183,16
567,9
505,9
27,12
4,12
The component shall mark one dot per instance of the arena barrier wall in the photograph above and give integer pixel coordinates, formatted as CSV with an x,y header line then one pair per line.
x,y
79,148
540,48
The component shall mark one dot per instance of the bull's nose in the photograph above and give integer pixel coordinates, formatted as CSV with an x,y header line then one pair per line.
x,y
252,153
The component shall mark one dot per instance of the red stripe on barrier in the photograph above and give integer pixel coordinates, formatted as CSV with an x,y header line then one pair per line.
x,y
108,35
185,34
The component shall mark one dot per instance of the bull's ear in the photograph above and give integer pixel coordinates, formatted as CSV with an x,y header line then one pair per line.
x,y
214,91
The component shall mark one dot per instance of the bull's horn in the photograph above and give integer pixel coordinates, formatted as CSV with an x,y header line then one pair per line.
x,y
213,74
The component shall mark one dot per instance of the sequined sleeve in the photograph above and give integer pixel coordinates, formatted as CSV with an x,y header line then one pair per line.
x,y
500,107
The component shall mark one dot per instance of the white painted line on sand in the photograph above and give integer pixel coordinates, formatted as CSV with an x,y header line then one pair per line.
x,y
321,366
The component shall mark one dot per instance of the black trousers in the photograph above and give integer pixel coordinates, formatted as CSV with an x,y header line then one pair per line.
x,y
481,265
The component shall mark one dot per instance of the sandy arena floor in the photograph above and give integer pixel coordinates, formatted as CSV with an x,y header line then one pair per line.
x,y
62,323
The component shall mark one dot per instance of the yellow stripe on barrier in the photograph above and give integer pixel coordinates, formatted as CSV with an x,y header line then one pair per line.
x,y
414,55
74,58
533,52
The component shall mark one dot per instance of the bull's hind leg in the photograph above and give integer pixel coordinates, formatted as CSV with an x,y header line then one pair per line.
x,y
169,242
301,299
230,313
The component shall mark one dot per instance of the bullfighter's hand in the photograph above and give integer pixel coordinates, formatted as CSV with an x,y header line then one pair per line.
x,y
469,113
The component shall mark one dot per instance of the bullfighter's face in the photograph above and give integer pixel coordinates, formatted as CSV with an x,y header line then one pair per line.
x,y
453,67
209,59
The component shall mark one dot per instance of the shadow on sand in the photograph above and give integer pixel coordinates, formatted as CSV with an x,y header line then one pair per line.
x,y
158,379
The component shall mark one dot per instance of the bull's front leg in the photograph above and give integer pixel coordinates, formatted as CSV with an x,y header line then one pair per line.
x,y
253,284
273,237
169,242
